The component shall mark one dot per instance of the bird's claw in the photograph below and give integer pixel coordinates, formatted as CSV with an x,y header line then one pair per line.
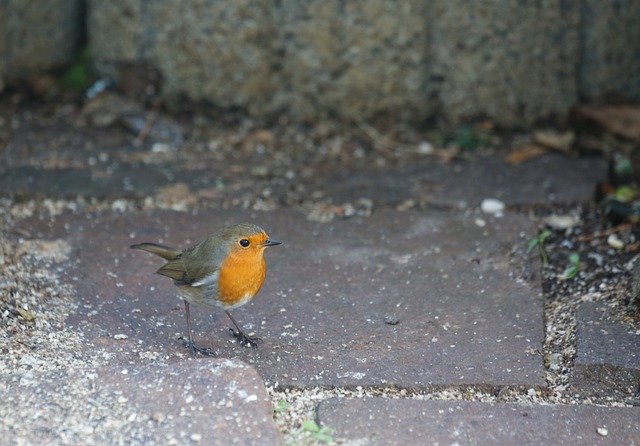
x,y
245,340
204,351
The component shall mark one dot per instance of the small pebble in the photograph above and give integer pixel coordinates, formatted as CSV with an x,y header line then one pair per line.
x,y
391,320
635,402
615,242
602,431
120,337
425,148
554,360
562,221
492,206
161,148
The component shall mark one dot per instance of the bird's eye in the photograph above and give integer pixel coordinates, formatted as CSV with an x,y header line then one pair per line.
x,y
244,242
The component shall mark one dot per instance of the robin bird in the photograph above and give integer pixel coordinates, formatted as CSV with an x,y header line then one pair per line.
x,y
224,271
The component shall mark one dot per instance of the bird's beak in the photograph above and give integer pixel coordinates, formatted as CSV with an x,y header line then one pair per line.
x,y
270,243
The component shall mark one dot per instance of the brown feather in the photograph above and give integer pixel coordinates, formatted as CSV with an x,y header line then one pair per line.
x,y
166,252
175,270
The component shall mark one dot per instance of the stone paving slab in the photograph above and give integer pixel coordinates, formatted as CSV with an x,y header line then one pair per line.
x,y
552,178
129,181
608,354
378,421
217,402
397,298
51,157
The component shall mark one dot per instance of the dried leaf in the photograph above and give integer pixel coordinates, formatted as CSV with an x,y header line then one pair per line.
x,y
621,120
264,137
526,152
26,315
554,140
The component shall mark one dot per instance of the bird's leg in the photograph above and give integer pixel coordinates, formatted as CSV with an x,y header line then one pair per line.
x,y
243,338
189,343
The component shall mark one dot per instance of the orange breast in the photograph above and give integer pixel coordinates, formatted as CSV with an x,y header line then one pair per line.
x,y
241,276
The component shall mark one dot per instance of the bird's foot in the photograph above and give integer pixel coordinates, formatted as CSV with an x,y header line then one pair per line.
x,y
204,351
245,340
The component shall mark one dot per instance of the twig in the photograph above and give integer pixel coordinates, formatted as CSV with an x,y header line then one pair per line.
x,y
633,247
148,123
606,232
398,146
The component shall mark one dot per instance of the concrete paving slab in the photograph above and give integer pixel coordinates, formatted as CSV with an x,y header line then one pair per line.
x,y
397,298
218,402
552,178
379,421
128,181
608,355
51,157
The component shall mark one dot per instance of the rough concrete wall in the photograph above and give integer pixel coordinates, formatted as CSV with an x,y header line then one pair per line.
x,y
308,59
38,35
611,49
116,28
513,62
355,59
222,52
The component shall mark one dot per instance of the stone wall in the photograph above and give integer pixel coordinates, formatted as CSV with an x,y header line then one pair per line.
x,y
37,36
610,50
515,63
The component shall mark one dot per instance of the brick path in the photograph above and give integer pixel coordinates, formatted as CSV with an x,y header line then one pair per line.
x,y
419,300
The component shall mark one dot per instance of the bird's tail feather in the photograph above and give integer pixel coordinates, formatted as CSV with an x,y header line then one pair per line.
x,y
165,252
